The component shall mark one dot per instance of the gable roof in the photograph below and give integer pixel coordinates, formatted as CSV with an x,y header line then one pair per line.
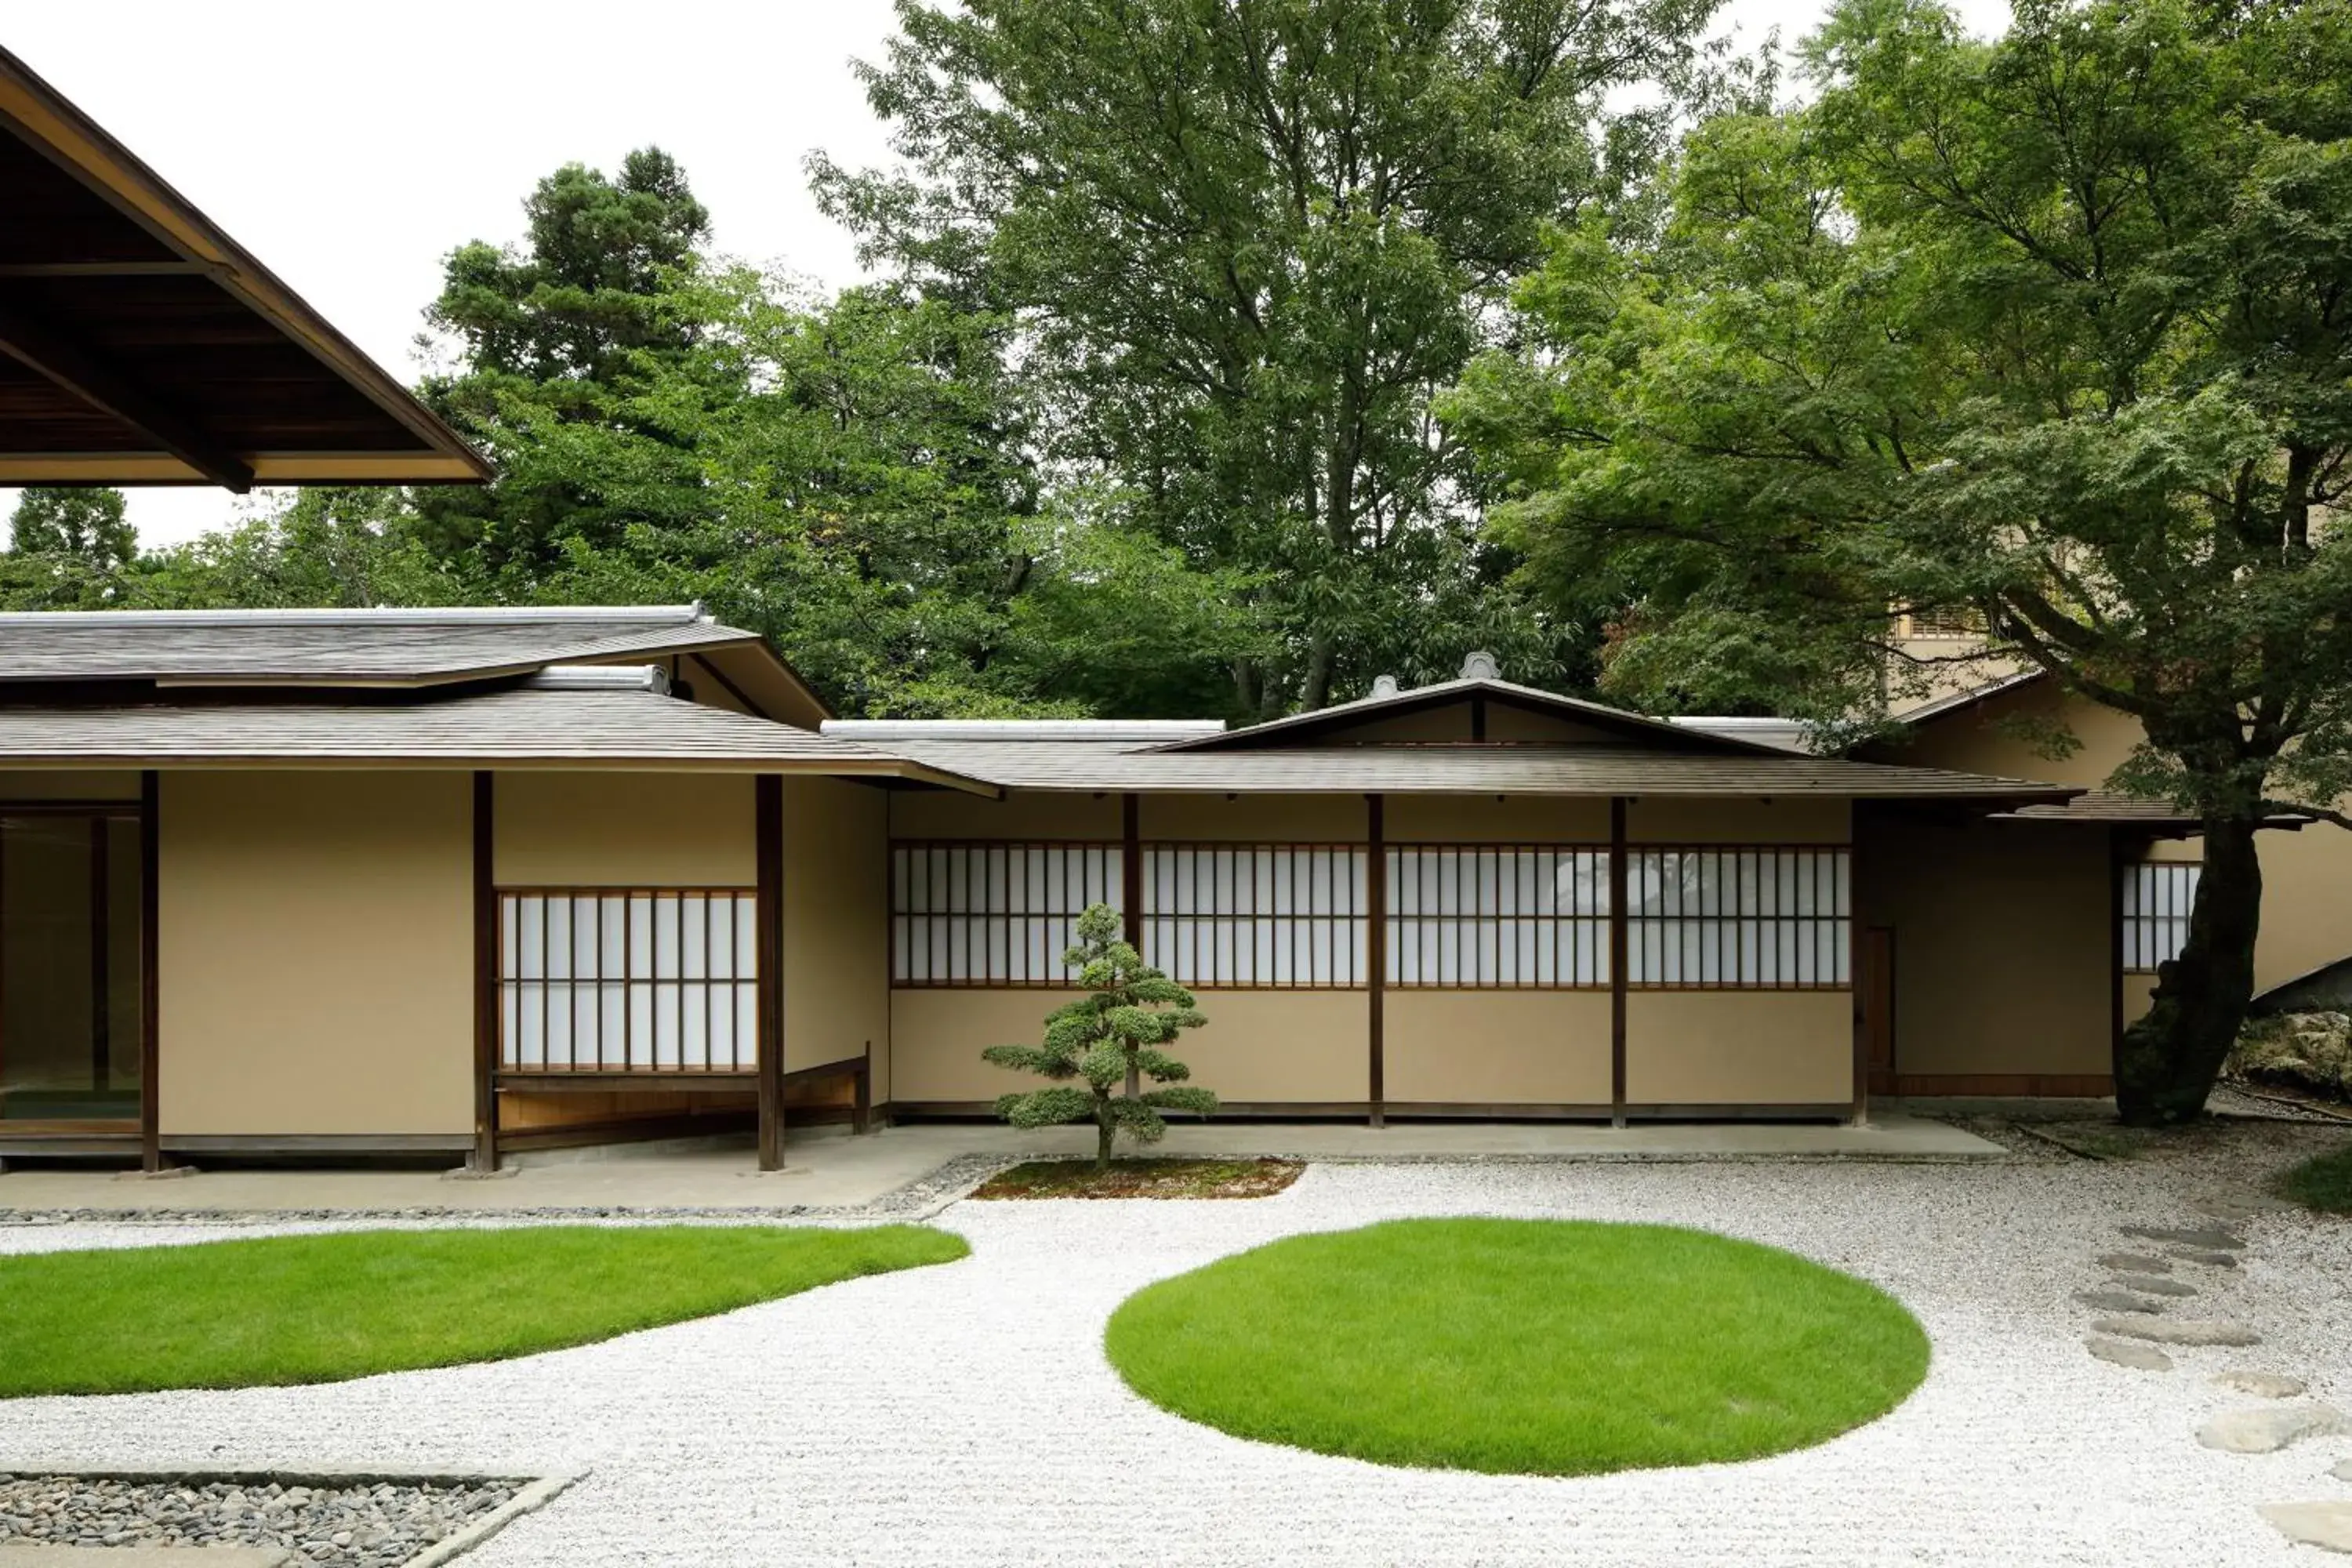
x,y
339,647
141,345
1961,701
1304,729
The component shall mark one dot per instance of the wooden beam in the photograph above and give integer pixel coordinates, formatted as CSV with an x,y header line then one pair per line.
x,y
1620,961
111,270
85,373
768,935
151,801
1376,953
487,1012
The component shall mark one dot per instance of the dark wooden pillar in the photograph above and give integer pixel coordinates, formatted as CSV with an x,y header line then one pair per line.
x,y
101,1009
488,1010
1620,961
151,1056
1130,870
2119,856
768,836
1856,949
1376,950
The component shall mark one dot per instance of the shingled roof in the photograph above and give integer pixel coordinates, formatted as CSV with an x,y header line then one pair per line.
x,y
604,718
339,647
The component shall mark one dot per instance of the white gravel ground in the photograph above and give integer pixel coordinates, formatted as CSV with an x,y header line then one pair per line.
x,y
964,1415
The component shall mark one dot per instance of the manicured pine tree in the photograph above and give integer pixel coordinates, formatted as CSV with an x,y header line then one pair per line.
x,y
1110,1040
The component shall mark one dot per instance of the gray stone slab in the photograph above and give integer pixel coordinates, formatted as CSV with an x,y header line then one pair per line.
x,y
2118,1301
2135,1263
33,1554
2343,1472
2205,1258
2132,1354
2180,1330
2260,1384
2327,1525
2154,1285
2267,1429
2211,1237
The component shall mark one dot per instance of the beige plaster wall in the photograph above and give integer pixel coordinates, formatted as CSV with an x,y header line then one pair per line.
x,y
1483,819
2307,875
1498,1047
1031,815
1738,1047
1265,818
837,925
1738,820
1258,1045
2139,990
624,830
2003,952
315,962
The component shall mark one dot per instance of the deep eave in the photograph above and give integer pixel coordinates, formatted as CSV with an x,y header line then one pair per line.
x,y
141,345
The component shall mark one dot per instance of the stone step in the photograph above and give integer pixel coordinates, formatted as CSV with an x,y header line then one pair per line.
x,y
2267,1429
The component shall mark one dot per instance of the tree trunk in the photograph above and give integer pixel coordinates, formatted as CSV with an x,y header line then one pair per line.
x,y
1105,1128
2166,1062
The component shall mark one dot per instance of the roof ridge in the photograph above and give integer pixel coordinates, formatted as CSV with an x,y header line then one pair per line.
x,y
451,615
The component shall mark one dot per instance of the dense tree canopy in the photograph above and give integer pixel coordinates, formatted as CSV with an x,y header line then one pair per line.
x,y
1243,245
68,549
2057,329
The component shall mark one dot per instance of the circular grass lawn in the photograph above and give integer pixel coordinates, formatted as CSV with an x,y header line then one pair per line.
x,y
1536,1347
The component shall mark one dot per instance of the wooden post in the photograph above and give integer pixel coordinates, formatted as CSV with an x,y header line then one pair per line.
x,y
1620,961
1376,949
488,1010
1131,870
101,1008
2118,867
150,1125
1854,950
768,836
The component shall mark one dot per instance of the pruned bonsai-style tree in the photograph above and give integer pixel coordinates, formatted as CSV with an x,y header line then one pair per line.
x,y
1110,1041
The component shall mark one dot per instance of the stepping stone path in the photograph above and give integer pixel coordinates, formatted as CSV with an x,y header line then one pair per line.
x,y
2268,1428
2135,1263
2128,1353
2180,1330
2260,1384
2328,1525
2207,1238
2151,1285
2207,1260
2118,1301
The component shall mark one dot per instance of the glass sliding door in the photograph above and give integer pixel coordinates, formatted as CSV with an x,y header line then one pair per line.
x,y
71,967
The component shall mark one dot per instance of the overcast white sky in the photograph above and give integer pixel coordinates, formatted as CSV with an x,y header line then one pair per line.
x,y
350,147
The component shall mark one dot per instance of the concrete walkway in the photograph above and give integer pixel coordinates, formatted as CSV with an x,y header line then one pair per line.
x,y
830,1169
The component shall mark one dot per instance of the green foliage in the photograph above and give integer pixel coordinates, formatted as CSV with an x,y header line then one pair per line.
x,y
68,549
1535,1347
316,1308
2049,328
1243,245
340,549
1110,1040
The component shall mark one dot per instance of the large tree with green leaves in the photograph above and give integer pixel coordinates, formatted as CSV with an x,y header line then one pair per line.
x,y
68,549
2056,328
1242,244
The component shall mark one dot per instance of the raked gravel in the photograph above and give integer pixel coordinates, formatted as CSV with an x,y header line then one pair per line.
x,y
963,1415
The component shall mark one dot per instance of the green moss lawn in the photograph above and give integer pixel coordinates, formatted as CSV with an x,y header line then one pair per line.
x,y
1523,1346
2323,1183
315,1309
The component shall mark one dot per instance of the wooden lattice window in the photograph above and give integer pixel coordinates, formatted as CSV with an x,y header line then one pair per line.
x,y
1257,916
1751,918
992,913
2157,896
1501,916
628,980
